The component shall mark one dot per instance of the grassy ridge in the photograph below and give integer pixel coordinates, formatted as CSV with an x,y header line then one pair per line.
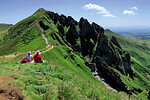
x,y
24,36
30,39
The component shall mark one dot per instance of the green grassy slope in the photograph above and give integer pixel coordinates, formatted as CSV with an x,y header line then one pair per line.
x,y
68,79
4,28
24,36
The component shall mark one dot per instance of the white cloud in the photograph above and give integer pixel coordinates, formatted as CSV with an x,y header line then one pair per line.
x,y
100,9
108,15
129,12
95,7
134,8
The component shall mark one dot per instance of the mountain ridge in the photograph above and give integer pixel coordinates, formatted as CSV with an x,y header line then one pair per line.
x,y
86,40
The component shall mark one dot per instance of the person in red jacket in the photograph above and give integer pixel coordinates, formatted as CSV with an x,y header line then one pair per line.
x,y
37,58
25,60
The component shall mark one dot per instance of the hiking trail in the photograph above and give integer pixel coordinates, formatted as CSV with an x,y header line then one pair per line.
x,y
48,44
46,40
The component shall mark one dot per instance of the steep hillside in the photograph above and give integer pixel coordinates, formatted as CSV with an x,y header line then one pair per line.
x,y
4,28
81,46
140,58
68,79
110,59
23,36
135,49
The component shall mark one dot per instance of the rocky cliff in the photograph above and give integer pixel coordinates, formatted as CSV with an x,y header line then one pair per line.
x,y
89,40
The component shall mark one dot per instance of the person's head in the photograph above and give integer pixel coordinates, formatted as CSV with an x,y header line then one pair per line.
x,y
38,52
29,53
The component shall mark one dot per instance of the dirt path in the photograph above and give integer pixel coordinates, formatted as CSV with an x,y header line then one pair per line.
x,y
48,44
10,92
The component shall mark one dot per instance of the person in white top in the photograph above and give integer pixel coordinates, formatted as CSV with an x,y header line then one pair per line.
x,y
29,56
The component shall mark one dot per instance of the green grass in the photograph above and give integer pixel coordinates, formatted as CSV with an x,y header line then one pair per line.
x,y
58,78
30,39
4,28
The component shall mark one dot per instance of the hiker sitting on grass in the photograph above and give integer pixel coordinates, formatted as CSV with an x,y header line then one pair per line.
x,y
37,58
29,56
24,60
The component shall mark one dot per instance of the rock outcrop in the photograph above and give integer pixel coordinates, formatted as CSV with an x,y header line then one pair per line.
x,y
45,27
61,29
62,20
110,76
115,42
72,35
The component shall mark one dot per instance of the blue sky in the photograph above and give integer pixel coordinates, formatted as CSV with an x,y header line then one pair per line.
x,y
107,13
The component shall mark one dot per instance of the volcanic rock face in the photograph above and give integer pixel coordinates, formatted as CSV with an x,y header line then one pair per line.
x,y
85,35
90,41
62,20
110,75
61,29
127,65
72,34
115,42
103,49
70,20
96,29
85,29
45,27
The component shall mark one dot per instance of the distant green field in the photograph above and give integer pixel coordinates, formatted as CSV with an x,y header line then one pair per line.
x,y
144,42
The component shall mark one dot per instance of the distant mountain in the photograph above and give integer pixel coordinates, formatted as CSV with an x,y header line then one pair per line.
x,y
131,31
120,61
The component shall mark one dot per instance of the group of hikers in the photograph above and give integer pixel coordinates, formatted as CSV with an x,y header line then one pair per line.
x,y
37,58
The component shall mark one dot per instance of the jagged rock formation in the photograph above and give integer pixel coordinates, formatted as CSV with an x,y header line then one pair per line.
x,y
110,75
89,40
115,42
72,34
45,27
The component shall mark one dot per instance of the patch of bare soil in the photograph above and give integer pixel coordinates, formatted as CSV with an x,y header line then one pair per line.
x,y
4,80
11,92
